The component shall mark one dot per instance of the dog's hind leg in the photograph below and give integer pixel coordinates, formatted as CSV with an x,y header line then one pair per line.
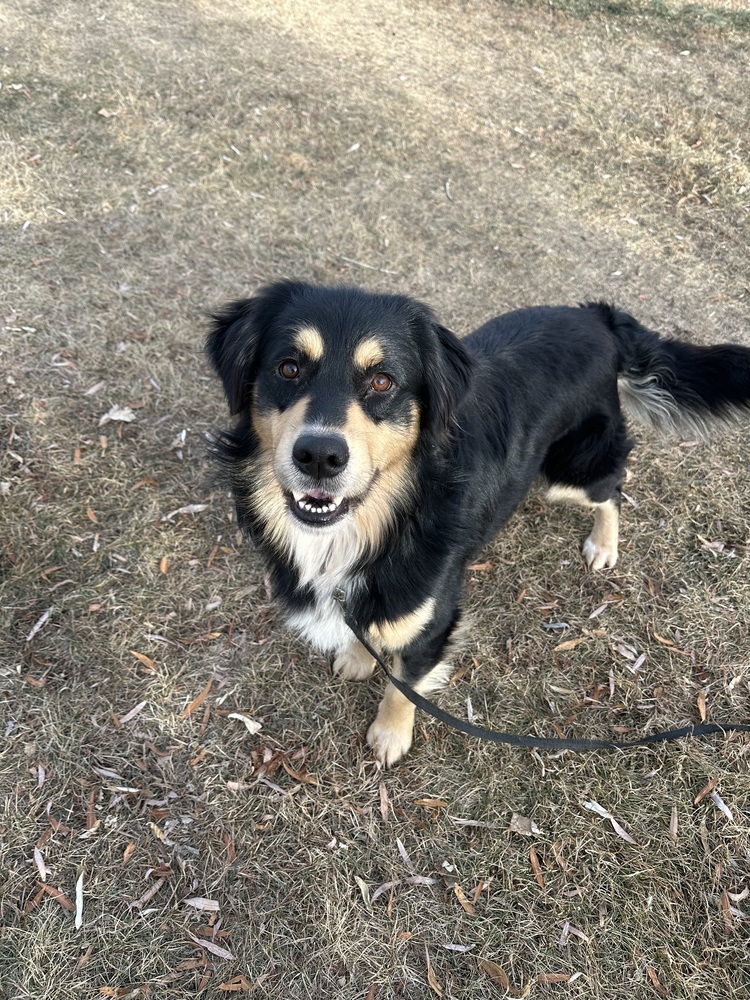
x,y
586,467
600,548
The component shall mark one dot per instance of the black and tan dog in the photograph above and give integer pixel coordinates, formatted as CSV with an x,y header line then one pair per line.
x,y
376,453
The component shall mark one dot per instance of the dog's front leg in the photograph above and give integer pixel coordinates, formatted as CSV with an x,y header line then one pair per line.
x,y
353,663
391,734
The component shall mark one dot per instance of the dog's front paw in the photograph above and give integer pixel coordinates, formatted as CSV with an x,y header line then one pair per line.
x,y
354,663
598,556
390,739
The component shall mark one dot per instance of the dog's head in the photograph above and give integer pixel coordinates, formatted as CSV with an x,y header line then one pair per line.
x,y
340,388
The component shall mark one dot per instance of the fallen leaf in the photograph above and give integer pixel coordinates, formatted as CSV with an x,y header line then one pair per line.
x,y
138,904
364,889
381,889
497,975
662,640
190,508
251,725
523,825
480,567
605,814
420,880
39,862
201,903
133,712
214,949
41,622
122,414
431,977
552,977
461,897
706,790
702,704
536,868
568,644
164,565
722,806
651,973
128,853
58,895
145,660
83,961
197,701
303,776
57,826
160,834
404,854
557,851
239,786
79,901
240,984
34,901
384,803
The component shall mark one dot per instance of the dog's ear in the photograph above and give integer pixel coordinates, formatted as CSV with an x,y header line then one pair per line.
x,y
233,341
448,369
231,345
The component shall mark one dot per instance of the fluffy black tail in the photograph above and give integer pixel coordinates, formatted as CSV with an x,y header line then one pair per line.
x,y
673,386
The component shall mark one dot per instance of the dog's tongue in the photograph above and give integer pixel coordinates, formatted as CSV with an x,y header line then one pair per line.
x,y
319,495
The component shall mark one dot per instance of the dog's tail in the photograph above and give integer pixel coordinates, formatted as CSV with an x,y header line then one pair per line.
x,y
673,386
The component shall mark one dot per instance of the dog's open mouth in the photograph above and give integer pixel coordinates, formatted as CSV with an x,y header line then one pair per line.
x,y
317,507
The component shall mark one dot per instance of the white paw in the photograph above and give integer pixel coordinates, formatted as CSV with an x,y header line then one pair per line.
x,y
389,741
598,556
353,663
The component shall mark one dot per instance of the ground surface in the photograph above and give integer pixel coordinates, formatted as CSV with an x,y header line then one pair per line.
x,y
158,159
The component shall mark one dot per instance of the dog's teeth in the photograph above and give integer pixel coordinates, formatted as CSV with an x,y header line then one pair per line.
x,y
297,496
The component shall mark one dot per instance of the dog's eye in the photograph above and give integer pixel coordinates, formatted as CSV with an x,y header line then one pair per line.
x,y
381,382
289,369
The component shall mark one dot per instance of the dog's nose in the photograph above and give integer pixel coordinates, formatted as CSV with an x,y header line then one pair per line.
x,y
320,455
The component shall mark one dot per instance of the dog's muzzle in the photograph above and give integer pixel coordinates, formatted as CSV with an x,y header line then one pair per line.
x,y
320,458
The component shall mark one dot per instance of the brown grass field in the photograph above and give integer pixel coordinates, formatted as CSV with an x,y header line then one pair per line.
x,y
157,159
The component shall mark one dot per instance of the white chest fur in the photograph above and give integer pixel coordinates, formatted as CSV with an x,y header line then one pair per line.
x,y
325,561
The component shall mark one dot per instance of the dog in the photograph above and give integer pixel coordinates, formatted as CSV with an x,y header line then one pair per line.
x,y
376,453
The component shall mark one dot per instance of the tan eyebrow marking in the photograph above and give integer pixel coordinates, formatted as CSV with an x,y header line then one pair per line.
x,y
368,353
308,340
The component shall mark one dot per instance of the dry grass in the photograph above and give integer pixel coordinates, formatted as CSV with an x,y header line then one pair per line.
x,y
488,155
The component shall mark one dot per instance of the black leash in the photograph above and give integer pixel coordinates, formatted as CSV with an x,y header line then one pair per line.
x,y
540,742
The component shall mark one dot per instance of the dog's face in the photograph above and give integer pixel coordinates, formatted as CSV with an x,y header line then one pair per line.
x,y
340,388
